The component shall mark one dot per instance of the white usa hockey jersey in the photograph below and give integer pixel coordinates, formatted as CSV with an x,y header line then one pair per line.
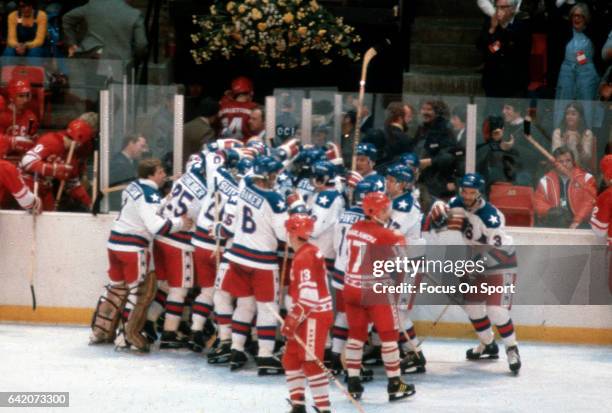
x,y
138,220
259,225
341,228
326,209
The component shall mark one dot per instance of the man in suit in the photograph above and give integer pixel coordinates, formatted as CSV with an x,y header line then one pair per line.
x,y
124,165
200,130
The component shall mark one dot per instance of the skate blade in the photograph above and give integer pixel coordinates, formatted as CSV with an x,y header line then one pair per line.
x,y
270,371
414,370
396,397
235,366
219,360
484,358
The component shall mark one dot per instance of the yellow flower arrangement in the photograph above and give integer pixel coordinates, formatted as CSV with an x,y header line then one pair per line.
x,y
279,33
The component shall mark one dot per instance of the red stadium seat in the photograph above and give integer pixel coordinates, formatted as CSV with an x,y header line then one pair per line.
x,y
516,203
36,76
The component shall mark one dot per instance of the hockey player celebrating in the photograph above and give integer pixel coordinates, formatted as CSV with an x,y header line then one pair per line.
x,y
132,286
602,213
406,218
252,277
482,224
310,317
367,234
173,252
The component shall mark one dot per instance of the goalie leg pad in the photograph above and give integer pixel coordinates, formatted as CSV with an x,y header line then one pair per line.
x,y
108,313
140,298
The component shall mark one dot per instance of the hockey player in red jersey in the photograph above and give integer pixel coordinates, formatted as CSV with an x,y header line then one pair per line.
x,y
310,318
358,280
48,160
236,107
602,214
17,119
12,183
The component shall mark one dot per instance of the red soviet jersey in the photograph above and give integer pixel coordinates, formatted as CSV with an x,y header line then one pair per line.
x,y
368,241
602,213
24,124
235,118
308,280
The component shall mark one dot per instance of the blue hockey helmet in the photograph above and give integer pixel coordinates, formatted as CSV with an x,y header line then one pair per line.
x,y
362,189
324,171
410,159
266,165
367,149
401,173
473,180
377,180
244,166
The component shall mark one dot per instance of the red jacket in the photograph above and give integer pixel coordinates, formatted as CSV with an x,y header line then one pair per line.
x,y
600,220
582,193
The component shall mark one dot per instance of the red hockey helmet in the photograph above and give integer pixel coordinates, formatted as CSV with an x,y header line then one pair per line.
x,y
242,85
374,203
80,131
18,86
606,167
299,225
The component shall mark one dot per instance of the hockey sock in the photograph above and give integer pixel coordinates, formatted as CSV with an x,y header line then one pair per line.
x,y
223,314
266,329
339,333
296,381
409,325
390,356
159,303
354,353
174,308
202,308
480,322
319,385
241,321
500,316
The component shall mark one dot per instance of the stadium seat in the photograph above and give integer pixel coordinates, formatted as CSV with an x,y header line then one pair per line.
x,y
515,202
36,76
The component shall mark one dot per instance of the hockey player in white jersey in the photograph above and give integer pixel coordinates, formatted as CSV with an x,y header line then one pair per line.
x,y
128,252
252,277
483,224
364,167
173,253
406,218
347,218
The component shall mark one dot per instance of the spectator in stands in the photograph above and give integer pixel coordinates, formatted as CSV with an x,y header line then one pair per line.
x,y
435,145
496,160
605,91
578,77
488,6
27,29
200,130
573,133
397,141
566,195
113,30
123,165
506,44
457,121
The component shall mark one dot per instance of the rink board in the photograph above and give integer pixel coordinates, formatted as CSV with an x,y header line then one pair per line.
x,y
71,265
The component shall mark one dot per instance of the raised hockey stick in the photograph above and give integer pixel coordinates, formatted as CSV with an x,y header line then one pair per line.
x,y
313,356
217,238
33,249
282,275
63,181
369,55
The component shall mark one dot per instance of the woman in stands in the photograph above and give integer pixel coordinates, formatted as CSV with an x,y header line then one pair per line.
x,y
573,133
27,29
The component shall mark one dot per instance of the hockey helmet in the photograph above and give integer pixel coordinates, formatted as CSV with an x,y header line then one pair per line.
x,y
299,225
264,166
410,159
242,85
367,149
374,203
606,167
323,172
243,167
259,146
80,131
401,173
361,190
17,87
473,180
377,181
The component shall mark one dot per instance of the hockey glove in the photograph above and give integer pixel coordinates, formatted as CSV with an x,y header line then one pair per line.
x,y
293,320
456,220
439,213
21,143
353,178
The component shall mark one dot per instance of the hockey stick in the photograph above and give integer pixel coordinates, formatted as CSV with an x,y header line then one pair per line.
x,y
94,186
319,363
33,249
369,55
217,237
552,160
63,181
282,275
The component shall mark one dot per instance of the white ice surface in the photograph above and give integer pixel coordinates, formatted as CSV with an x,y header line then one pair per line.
x,y
554,378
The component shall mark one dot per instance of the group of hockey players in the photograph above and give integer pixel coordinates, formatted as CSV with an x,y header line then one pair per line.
x,y
249,231
33,165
